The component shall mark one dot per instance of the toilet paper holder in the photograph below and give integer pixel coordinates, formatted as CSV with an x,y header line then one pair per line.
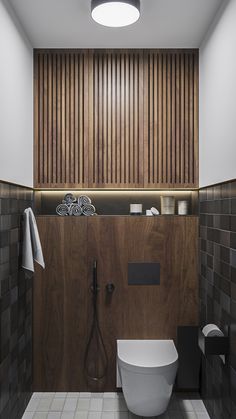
x,y
213,345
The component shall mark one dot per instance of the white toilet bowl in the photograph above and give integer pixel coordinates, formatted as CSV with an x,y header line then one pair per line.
x,y
147,371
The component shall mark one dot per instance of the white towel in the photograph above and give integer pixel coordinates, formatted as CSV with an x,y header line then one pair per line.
x,y
32,249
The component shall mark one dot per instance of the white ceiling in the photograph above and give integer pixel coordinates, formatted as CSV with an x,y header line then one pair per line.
x,y
163,24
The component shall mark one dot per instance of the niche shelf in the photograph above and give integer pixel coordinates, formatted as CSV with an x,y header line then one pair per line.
x,y
115,202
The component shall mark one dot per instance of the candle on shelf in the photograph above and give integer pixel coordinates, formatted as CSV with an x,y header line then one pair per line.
x,y
136,209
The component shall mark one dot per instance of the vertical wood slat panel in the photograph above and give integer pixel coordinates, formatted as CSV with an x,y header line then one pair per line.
x,y
177,119
151,116
84,94
62,139
140,158
117,118
121,174
169,121
186,118
126,104
109,120
164,117
45,119
36,120
67,107
117,161
182,163
77,122
171,118
196,118
190,156
115,141
173,156
72,121
58,122
41,120
61,118
114,156
160,112
155,114
50,171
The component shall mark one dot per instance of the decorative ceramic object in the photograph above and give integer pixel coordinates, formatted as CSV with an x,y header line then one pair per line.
x,y
136,209
182,207
167,205
154,211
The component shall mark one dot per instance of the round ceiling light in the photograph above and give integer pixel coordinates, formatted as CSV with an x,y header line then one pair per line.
x,y
115,13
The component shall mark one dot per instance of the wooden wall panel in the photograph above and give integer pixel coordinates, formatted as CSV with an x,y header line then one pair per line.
x,y
170,118
144,312
116,119
60,296
61,118
63,300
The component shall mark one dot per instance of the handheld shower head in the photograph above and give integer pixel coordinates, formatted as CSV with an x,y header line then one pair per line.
x,y
94,286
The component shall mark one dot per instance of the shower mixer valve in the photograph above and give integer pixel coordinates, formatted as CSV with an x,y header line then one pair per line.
x,y
110,288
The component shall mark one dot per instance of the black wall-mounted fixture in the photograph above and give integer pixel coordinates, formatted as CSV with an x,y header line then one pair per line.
x,y
115,13
143,273
110,288
213,345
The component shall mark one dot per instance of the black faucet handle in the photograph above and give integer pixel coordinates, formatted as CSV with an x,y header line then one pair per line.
x,y
110,288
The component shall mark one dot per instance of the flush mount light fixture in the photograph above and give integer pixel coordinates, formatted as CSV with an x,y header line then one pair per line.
x,y
115,13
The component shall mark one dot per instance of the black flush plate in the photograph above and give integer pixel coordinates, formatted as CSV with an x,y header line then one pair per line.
x,y
143,273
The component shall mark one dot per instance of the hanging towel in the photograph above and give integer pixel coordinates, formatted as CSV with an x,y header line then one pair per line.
x,y
32,249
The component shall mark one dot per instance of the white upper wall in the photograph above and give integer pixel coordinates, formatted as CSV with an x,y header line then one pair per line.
x,y
16,100
217,156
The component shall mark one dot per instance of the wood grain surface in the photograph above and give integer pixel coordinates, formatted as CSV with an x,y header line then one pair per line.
x,y
60,305
63,300
170,118
116,118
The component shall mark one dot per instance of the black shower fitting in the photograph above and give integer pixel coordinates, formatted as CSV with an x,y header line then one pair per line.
x,y
95,288
95,328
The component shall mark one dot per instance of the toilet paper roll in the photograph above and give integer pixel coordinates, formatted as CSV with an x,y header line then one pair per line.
x,y
212,330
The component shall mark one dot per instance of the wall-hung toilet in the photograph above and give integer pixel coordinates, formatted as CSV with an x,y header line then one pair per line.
x,y
147,371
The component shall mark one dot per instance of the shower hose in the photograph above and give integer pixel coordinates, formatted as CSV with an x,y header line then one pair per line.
x,y
95,332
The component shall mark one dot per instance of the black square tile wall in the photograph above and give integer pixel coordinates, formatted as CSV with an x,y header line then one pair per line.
x,y
218,293
15,306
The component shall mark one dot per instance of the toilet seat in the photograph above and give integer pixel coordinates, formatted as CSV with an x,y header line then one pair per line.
x,y
149,354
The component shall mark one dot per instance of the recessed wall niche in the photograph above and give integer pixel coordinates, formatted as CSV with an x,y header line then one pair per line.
x,y
115,202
